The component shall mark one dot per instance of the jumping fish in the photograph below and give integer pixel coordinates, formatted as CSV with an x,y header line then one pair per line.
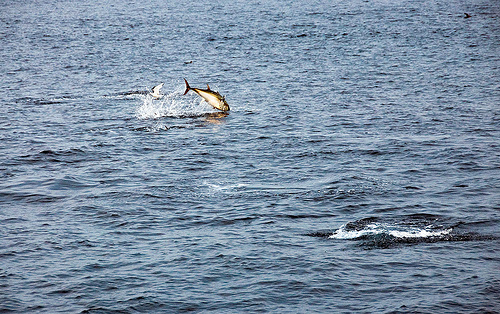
x,y
212,97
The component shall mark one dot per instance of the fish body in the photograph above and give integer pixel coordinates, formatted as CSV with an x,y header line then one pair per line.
x,y
215,99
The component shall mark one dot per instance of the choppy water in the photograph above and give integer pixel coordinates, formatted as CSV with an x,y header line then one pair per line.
x,y
358,170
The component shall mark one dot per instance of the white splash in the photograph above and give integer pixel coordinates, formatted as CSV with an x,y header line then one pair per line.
x,y
392,230
173,104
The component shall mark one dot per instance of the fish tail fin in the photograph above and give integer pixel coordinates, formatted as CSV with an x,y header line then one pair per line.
x,y
187,87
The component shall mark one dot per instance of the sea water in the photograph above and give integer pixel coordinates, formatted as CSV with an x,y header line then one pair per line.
x,y
358,170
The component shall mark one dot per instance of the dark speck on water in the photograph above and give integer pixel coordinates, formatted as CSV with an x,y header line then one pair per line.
x,y
358,170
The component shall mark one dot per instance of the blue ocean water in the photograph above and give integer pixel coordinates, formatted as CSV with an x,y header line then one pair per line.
x,y
358,170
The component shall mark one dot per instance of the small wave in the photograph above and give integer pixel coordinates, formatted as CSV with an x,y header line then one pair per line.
x,y
68,183
28,197
34,101
174,105
30,101
72,155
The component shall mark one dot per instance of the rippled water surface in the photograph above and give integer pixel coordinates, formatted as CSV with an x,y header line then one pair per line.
x,y
357,171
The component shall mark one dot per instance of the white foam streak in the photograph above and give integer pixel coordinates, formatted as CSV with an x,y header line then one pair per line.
x,y
395,231
171,105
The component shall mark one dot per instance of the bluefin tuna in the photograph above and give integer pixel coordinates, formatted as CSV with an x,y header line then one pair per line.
x,y
212,97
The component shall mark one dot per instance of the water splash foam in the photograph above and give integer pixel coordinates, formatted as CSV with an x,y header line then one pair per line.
x,y
394,230
173,104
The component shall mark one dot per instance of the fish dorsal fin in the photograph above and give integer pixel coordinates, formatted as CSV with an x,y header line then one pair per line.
x,y
208,87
